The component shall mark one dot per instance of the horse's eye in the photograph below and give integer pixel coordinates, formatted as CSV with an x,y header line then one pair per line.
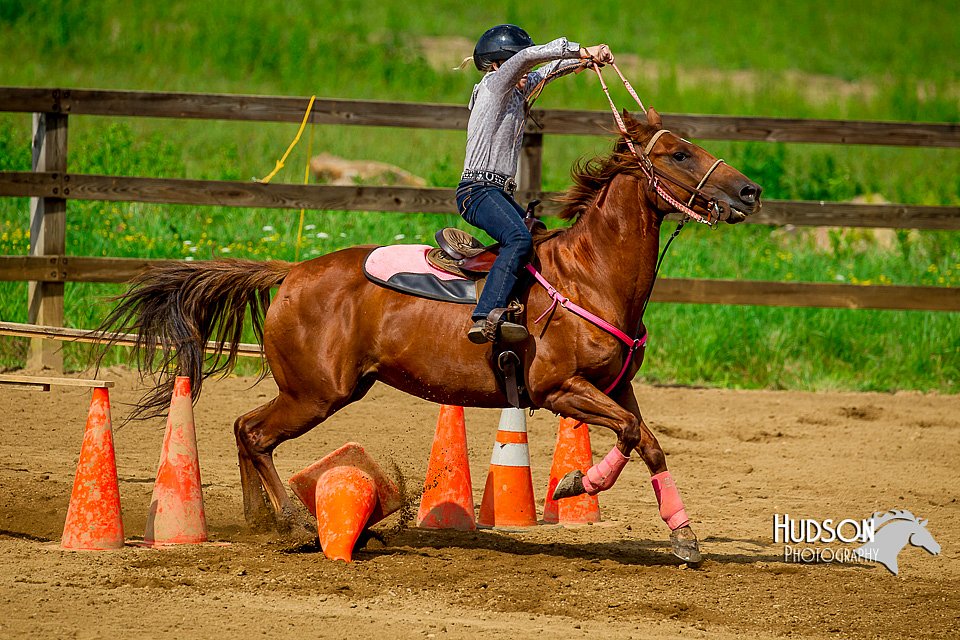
x,y
680,156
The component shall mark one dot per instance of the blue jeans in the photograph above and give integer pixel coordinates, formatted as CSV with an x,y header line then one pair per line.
x,y
491,209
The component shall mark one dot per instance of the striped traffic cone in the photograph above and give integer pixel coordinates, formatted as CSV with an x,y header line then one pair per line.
x,y
572,452
508,494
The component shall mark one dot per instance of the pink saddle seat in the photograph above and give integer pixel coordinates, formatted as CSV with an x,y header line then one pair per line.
x,y
404,268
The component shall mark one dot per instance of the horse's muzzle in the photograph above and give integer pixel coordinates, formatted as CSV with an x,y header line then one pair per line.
x,y
746,204
750,194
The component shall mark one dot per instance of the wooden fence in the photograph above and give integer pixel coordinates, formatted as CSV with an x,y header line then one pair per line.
x,y
50,185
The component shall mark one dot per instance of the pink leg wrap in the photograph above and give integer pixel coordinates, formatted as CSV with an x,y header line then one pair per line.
x,y
602,475
671,506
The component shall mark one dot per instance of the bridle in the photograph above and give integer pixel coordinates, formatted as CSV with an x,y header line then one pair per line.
x,y
655,176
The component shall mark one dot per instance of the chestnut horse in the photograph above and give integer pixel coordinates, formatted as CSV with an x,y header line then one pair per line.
x,y
329,333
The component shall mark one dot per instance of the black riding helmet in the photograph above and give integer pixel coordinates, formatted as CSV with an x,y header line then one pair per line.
x,y
498,44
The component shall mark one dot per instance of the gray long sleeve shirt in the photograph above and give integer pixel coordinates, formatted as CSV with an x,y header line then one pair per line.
x,y
497,114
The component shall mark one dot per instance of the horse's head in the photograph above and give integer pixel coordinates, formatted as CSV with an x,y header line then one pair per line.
x,y
892,531
690,175
922,538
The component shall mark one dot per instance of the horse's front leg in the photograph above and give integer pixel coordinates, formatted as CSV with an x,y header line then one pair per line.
x,y
580,400
682,538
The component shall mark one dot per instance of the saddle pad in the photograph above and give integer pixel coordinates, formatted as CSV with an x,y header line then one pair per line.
x,y
404,268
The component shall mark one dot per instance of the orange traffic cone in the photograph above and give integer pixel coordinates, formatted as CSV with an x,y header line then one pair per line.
x,y
508,493
572,452
345,500
447,501
176,512
93,517
337,491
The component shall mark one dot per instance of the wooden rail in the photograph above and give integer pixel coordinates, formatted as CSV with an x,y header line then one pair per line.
x,y
412,199
445,116
65,334
50,184
43,383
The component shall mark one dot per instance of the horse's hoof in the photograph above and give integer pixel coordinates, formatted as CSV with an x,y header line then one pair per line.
x,y
300,534
262,523
685,545
296,528
570,485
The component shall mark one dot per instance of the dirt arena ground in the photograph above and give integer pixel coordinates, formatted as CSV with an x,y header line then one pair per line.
x,y
739,458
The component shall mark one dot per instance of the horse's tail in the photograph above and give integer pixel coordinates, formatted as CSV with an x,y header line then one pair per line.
x,y
175,309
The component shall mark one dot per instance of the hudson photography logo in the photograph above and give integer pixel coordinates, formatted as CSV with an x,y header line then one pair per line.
x,y
880,538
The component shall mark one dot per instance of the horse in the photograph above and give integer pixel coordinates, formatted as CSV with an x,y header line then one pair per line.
x,y
329,333
899,527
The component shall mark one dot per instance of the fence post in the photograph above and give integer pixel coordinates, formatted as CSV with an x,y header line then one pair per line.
x,y
48,233
531,163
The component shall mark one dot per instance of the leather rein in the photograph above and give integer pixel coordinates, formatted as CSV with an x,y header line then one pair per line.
x,y
655,176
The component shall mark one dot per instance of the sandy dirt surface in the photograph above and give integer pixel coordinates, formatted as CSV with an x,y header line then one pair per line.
x,y
739,458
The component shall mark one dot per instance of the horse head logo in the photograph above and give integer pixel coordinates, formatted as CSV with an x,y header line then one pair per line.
x,y
898,528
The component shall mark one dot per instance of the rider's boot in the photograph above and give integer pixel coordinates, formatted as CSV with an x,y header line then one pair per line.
x,y
489,328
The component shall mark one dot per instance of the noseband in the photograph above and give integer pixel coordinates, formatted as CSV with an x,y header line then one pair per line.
x,y
654,175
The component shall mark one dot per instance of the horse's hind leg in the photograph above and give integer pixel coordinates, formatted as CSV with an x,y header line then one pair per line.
x,y
256,505
261,431
258,433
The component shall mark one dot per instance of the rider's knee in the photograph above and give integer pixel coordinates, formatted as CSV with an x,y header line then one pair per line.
x,y
520,240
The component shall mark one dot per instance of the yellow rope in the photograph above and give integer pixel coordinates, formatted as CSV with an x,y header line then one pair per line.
x,y
306,180
280,162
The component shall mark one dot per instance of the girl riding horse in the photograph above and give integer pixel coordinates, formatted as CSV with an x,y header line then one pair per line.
x,y
499,107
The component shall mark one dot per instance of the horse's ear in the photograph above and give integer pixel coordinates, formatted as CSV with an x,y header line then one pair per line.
x,y
653,118
627,117
923,522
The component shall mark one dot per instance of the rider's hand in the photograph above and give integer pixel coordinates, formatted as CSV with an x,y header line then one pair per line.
x,y
599,53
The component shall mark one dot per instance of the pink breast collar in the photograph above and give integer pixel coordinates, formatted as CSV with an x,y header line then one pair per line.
x,y
563,301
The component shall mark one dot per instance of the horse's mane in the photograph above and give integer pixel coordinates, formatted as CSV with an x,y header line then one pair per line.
x,y
592,176
880,518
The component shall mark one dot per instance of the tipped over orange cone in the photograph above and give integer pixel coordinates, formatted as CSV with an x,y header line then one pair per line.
x,y
447,501
176,511
93,517
508,493
572,452
337,491
345,500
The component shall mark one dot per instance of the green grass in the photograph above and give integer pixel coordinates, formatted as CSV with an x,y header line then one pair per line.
x,y
737,57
